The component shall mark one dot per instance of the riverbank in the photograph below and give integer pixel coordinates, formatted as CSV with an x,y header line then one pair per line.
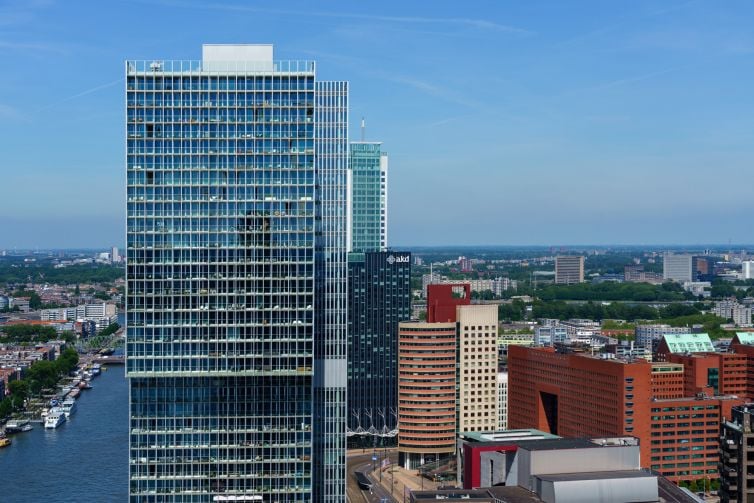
x,y
85,459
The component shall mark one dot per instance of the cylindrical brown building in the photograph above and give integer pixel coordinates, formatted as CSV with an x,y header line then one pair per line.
x,y
426,392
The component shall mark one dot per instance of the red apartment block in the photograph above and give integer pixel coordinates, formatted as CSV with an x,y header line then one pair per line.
x,y
713,373
442,301
578,395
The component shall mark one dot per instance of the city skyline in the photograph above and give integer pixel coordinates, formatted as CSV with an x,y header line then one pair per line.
x,y
584,123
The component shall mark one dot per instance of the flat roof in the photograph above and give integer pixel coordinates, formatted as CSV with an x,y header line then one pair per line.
x,y
618,474
560,443
451,495
514,494
506,435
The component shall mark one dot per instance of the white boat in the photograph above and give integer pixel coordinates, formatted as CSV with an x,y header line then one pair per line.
x,y
55,417
17,426
96,369
68,407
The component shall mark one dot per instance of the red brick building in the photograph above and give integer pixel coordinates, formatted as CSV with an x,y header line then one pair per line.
x,y
443,299
579,395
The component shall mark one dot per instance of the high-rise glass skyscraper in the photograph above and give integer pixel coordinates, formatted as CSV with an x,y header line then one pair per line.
x,y
379,297
236,278
368,197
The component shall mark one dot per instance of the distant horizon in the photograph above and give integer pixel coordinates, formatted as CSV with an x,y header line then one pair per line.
x,y
410,248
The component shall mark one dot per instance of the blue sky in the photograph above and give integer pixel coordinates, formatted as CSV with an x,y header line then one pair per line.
x,y
507,122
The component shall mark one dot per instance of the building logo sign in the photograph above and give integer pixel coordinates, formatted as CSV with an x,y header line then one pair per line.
x,y
400,259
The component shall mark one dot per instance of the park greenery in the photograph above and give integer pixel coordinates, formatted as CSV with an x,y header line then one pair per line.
x,y
103,338
42,375
18,272
676,314
609,291
28,334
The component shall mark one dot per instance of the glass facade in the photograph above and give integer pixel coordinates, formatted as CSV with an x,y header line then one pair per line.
x,y
236,265
379,285
368,197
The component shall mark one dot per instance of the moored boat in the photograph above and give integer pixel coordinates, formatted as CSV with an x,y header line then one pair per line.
x,y
55,417
68,407
4,441
17,426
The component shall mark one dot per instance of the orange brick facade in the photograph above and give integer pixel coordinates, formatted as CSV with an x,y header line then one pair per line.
x,y
426,391
577,395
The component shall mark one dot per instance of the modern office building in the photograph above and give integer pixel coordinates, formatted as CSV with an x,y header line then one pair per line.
x,y
236,278
569,269
447,366
677,267
426,392
477,368
549,335
379,286
737,456
649,336
747,269
674,412
368,211
703,268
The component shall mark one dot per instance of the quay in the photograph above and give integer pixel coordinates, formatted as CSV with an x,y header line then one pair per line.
x,y
110,360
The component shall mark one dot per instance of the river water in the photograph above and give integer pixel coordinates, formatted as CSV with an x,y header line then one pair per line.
x,y
85,459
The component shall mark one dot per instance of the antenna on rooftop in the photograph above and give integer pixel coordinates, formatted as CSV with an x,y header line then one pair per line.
x,y
363,128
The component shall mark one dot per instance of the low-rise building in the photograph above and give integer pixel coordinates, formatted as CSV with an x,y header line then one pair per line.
x,y
649,335
550,335
730,309
698,288
527,465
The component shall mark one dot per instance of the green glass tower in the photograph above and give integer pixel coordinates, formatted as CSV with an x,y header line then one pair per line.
x,y
368,214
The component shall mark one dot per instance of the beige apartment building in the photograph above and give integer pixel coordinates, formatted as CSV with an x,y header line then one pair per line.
x,y
477,368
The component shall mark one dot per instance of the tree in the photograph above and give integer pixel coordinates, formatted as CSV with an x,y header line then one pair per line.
x,y
68,336
109,330
27,333
35,301
19,388
6,407
514,311
41,375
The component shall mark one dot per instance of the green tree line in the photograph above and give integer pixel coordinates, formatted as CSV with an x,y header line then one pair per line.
x,y
638,292
41,375
11,273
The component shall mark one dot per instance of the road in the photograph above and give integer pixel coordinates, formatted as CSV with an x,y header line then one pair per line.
x,y
363,463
